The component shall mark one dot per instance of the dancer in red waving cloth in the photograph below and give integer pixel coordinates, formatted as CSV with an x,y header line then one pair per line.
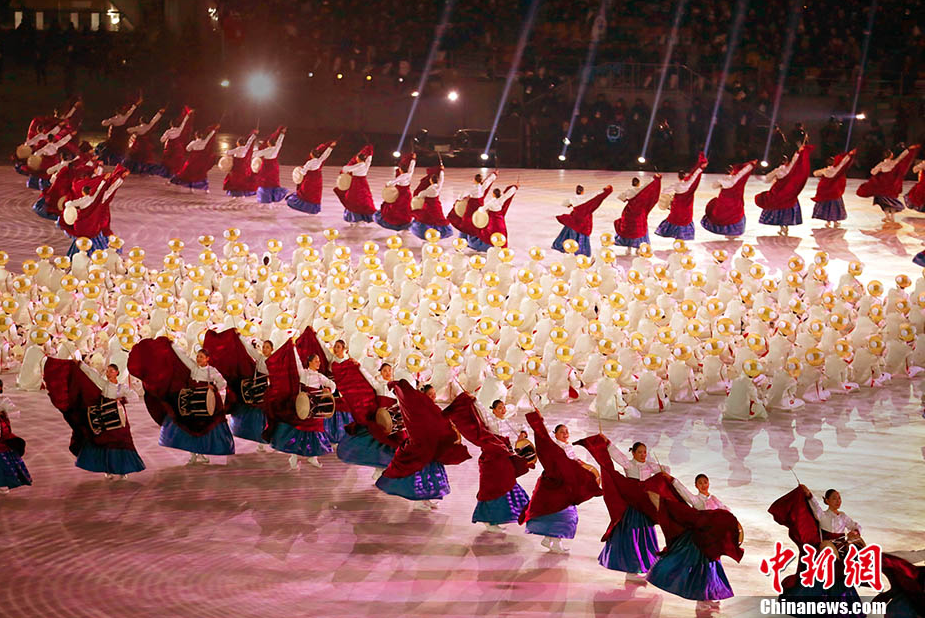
x,y
335,427
830,207
578,222
426,208
245,371
13,471
368,443
906,596
780,204
240,181
500,497
460,215
140,156
94,407
680,221
886,181
113,150
62,177
795,512
395,211
307,196
915,198
88,216
565,483
268,189
490,218
357,198
174,140
195,171
183,397
42,130
45,157
632,228
417,472
725,214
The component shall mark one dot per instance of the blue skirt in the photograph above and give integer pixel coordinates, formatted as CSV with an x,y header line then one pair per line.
x,y
361,449
247,422
632,546
632,243
95,458
240,193
383,223
38,183
420,230
736,229
352,217
670,230
13,472
503,510
567,233
40,209
199,184
889,204
334,427
296,203
919,259
686,572
22,169
271,195
107,156
288,439
144,169
830,210
785,216
560,525
430,483
901,606
219,441
475,243
837,593
98,242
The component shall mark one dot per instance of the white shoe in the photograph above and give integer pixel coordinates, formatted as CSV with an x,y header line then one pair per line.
x,y
193,459
203,459
122,477
108,476
636,578
433,504
4,491
422,506
557,548
261,448
494,528
377,472
546,542
293,462
313,461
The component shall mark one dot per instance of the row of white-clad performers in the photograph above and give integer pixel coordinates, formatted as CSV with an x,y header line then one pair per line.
x,y
302,399
77,193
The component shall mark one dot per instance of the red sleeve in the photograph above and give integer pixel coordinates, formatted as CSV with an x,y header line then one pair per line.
x,y
308,344
793,512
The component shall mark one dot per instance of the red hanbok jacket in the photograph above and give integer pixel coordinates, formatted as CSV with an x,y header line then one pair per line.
x,y
634,222
784,192
681,211
312,185
889,184
833,188
581,217
728,207
174,156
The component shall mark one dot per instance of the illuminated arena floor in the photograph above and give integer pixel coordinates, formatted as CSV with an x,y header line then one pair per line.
x,y
247,537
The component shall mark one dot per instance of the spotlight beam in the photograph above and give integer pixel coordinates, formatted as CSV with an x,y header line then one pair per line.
x,y
857,88
512,72
597,31
796,11
672,40
741,6
431,55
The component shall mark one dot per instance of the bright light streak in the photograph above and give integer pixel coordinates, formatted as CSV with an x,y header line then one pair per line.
x,y
741,6
641,159
796,11
452,95
764,163
261,86
415,94
484,156
396,154
562,157
672,40
861,116
857,87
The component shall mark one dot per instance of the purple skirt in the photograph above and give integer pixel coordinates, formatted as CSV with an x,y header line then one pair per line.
x,y
199,184
297,203
13,472
271,195
219,441
686,572
736,229
817,593
567,233
430,483
389,226
335,426
361,449
475,243
632,546
633,243
352,217
93,458
830,210
100,241
37,183
919,259
144,169
503,510
288,439
560,525
784,216
240,193
670,230
420,230
889,204
41,210
247,422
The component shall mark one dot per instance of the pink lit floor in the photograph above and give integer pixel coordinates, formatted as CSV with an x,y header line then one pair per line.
x,y
247,537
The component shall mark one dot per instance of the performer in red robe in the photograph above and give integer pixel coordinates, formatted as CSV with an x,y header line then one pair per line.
x,y
308,345
176,395
44,158
113,149
426,208
417,471
886,181
357,200
195,171
680,221
495,208
500,497
830,207
396,214
725,213
632,228
89,214
460,215
268,189
565,483
63,175
240,181
140,156
41,130
578,222
13,471
175,140
915,198
309,181
780,205
94,407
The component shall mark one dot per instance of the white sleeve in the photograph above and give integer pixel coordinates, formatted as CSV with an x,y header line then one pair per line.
x,y
119,119
402,180
853,525
169,134
431,191
313,164
411,167
684,185
251,351
57,167
349,169
487,182
186,360
919,167
832,171
273,151
196,144
95,377
685,493
217,378
70,112
327,153
617,455
816,507
36,139
327,382
112,189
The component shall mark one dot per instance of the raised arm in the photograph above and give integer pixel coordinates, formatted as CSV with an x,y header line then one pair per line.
x,y
618,455
144,128
685,493
184,358
94,376
119,119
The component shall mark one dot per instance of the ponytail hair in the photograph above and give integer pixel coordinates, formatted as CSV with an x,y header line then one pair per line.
x,y
636,446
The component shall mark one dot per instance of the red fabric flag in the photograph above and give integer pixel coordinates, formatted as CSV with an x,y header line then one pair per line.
x,y
785,191
833,188
889,184
284,386
361,400
906,579
634,222
715,532
581,217
308,344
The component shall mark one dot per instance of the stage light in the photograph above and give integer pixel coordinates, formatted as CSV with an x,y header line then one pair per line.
x,y
764,164
861,116
452,95
311,74
224,83
396,154
641,159
369,78
566,141
415,94
340,76
401,80
260,86
484,156
562,157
